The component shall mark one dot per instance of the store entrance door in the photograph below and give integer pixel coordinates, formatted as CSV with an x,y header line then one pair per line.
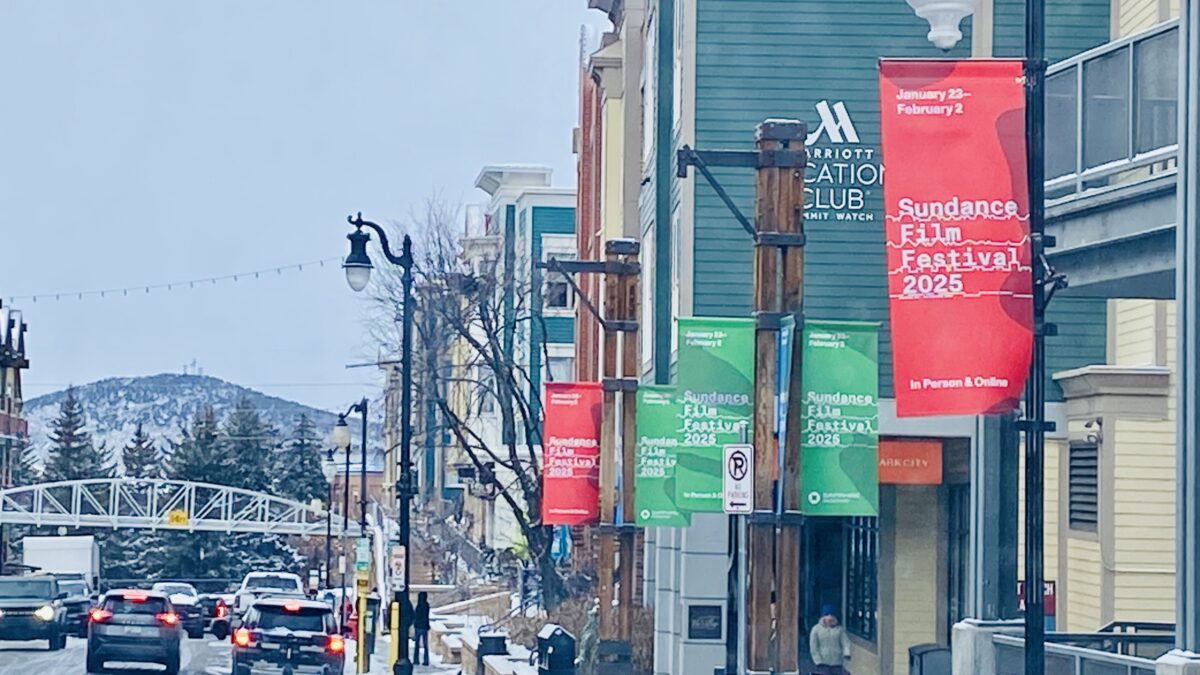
x,y
821,571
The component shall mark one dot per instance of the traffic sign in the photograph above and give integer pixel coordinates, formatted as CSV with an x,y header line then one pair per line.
x,y
738,475
362,554
177,517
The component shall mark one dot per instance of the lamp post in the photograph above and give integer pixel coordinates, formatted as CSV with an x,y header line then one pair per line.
x,y
943,17
329,469
341,440
358,273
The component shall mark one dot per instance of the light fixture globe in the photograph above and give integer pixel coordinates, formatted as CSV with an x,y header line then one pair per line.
x,y
944,17
329,468
358,263
340,436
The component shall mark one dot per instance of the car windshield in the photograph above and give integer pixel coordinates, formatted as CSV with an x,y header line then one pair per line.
x,y
24,588
175,589
308,619
73,587
273,581
123,604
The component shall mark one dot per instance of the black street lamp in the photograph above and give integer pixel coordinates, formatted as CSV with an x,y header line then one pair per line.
x,y
358,272
329,470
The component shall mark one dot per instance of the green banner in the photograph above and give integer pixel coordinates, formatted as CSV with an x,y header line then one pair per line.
x,y
716,390
839,417
659,421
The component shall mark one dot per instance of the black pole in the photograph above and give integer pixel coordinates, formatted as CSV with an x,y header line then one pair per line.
x,y
405,487
1035,393
329,524
345,527
731,600
362,497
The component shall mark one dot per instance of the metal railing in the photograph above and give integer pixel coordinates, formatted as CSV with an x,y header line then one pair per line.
x,y
1119,653
1112,113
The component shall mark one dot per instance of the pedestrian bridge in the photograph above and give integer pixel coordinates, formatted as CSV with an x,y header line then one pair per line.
x,y
159,504
1111,150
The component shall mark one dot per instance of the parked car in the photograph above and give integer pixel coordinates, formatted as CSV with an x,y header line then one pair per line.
x,y
186,601
31,609
289,636
216,614
77,604
134,625
259,584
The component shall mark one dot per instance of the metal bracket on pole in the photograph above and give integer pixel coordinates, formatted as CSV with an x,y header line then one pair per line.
x,y
1030,426
568,267
779,239
616,528
794,518
770,320
625,384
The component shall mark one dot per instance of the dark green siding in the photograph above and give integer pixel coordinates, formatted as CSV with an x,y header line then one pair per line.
x,y
545,220
778,58
757,59
1072,26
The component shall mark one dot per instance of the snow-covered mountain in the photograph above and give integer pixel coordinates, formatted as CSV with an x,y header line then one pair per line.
x,y
163,404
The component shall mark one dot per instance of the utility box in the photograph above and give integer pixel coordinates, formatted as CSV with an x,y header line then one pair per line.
x,y
555,651
491,643
929,659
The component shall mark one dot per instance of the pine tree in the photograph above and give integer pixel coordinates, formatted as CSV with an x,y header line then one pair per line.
x,y
73,455
25,469
249,442
297,472
200,455
140,458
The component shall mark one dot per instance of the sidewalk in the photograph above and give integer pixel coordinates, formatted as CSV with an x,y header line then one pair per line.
x,y
379,661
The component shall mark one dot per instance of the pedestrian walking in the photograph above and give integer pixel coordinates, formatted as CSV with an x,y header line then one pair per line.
x,y
421,628
828,644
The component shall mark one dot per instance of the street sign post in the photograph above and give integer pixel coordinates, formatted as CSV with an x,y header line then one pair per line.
x,y
362,554
738,483
398,559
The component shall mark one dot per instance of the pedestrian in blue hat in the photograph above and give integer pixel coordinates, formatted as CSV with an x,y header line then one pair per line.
x,y
828,645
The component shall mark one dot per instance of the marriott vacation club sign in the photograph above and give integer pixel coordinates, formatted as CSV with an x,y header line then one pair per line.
x,y
957,210
842,171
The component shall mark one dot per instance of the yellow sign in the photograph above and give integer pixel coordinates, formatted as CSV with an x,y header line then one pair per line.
x,y
177,517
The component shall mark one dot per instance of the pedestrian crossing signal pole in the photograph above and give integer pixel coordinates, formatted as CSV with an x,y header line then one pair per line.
x,y
773,538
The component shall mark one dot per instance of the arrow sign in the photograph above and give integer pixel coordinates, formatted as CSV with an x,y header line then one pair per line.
x,y
738,479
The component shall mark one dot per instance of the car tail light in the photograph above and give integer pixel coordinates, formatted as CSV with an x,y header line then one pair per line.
x,y
222,610
241,637
167,618
136,597
334,644
99,615
291,606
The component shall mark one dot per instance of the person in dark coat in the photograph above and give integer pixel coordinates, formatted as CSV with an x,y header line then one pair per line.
x,y
421,628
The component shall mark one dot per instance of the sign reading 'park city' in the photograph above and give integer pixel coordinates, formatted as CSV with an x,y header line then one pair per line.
x,y
957,209
571,449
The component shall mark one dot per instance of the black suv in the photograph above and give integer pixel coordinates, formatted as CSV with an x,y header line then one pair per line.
x,y
288,635
31,609
134,625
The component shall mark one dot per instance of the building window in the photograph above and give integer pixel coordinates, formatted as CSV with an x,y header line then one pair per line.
x,y
487,390
557,294
862,580
1083,472
560,368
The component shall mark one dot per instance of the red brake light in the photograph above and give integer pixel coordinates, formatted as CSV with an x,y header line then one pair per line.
x,y
136,597
167,618
334,644
241,637
222,610
291,606
99,615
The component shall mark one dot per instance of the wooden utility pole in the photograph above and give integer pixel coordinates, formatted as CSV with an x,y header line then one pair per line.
x,y
613,296
630,362
774,537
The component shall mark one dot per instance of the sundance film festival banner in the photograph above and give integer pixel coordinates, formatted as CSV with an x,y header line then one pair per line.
x,y
716,395
659,433
958,254
839,419
571,453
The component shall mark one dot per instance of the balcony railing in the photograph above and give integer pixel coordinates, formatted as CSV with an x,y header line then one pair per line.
x,y
1112,113
1118,649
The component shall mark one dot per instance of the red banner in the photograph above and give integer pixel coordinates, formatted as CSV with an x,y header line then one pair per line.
x,y
571,453
957,205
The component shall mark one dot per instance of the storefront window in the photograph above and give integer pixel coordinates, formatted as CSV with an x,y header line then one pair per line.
x,y
862,578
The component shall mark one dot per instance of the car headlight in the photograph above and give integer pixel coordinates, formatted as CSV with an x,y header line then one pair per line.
x,y
1,613
45,613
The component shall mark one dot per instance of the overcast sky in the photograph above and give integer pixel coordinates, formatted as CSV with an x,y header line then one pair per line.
x,y
146,142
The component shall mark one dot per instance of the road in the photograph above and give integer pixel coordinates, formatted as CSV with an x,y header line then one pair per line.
x,y
199,657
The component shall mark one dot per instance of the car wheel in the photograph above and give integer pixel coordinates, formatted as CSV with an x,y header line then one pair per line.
x,y
172,664
239,669
94,664
220,631
56,641
196,634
